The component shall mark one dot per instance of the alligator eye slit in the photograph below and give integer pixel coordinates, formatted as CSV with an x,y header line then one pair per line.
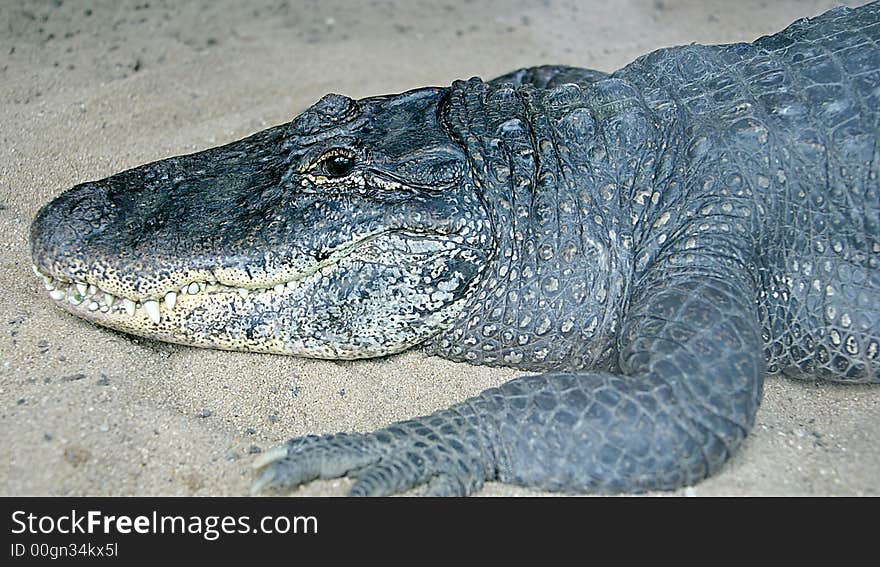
x,y
338,166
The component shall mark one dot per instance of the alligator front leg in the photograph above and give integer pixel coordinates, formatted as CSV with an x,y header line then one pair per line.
x,y
691,369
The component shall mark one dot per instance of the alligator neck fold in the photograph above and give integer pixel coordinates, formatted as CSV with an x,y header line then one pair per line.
x,y
557,170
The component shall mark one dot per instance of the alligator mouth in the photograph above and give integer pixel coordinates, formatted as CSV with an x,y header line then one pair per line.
x,y
93,301
90,301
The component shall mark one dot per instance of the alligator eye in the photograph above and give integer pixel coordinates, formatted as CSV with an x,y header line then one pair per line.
x,y
338,166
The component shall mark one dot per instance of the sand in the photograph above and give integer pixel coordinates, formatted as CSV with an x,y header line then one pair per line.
x,y
90,88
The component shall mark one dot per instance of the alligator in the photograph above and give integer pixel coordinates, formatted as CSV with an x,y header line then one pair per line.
x,y
649,244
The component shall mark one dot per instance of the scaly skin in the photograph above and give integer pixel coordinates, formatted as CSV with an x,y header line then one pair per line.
x,y
653,242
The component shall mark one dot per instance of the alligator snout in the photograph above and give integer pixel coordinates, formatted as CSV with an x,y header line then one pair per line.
x,y
62,229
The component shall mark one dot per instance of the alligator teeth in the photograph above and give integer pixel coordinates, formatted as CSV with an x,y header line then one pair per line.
x,y
128,305
46,279
93,298
41,275
151,306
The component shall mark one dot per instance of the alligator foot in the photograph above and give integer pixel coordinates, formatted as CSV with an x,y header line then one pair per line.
x,y
406,455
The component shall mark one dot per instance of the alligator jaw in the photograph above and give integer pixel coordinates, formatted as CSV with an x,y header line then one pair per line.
x,y
216,315
154,317
92,302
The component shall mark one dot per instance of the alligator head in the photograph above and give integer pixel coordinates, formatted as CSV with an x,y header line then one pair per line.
x,y
353,231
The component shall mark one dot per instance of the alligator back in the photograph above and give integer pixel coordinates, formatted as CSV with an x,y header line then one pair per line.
x,y
792,122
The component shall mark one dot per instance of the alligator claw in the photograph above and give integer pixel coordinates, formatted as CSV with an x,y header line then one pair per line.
x,y
276,453
305,459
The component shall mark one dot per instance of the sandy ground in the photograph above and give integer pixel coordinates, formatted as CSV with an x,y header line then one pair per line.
x,y
91,88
